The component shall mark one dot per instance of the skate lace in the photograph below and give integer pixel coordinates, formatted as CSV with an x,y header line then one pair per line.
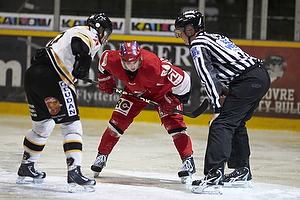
x,y
187,166
100,160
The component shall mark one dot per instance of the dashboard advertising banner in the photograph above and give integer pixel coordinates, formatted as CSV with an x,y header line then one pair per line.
x,y
283,98
44,22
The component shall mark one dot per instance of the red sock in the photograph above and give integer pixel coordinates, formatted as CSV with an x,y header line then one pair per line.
x,y
183,144
108,141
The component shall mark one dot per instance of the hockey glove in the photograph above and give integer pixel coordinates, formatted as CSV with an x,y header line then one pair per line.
x,y
81,66
106,83
169,103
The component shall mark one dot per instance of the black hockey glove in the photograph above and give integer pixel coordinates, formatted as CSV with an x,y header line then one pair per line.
x,y
81,66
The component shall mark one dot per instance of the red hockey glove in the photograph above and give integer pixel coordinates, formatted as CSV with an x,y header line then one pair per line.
x,y
169,103
106,83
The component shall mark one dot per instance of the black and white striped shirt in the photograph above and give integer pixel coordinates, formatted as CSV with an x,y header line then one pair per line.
x,y
218,61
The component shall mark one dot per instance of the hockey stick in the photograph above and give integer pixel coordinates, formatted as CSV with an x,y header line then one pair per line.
x,y
193,114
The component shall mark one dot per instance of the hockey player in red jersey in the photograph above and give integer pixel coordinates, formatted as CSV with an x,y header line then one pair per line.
x,y
144,75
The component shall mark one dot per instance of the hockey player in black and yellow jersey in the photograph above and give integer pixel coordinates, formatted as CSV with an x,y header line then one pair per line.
x,y
50,90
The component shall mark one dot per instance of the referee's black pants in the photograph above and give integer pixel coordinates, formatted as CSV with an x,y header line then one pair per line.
x,y
228,139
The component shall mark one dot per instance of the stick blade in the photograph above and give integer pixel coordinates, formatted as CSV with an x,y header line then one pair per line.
x,y
201,108
197,112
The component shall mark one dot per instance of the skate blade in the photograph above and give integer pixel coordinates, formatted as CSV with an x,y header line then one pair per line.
x,y
29,180
211,190
96,174
187,179
238,184
75,188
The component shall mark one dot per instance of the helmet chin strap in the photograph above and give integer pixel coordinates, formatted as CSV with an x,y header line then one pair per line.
x,y
189,37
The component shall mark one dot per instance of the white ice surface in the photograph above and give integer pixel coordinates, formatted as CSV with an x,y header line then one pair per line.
x,y
137,185
144,164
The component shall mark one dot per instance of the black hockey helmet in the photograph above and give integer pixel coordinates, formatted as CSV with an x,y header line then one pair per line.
x,y
100,20
189,17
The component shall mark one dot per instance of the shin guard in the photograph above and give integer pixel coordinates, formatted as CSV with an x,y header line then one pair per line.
x,y
183,144
108,141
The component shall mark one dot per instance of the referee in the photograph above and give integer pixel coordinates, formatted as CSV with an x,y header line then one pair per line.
x,y
224,69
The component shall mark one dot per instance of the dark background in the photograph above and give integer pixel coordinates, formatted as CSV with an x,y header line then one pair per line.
x,y
229,21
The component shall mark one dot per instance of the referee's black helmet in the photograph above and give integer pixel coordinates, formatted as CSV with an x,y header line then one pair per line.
x,y
190,17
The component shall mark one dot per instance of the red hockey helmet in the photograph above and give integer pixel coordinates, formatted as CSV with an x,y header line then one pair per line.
x,y
130,51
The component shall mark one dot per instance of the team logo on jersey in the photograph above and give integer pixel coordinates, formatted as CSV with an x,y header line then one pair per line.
x,y
165,70
123,106
174,77
228,44
69,100
53,105
195,52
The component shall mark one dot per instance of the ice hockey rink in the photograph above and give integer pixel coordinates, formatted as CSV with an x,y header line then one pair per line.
x,y
144,164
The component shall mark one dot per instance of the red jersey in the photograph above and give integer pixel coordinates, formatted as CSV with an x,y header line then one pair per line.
x,y
152,80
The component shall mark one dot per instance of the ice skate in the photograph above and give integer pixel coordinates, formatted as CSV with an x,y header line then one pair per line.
x,y
210,184
28,170
78,182
239,178
187,170
99,164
